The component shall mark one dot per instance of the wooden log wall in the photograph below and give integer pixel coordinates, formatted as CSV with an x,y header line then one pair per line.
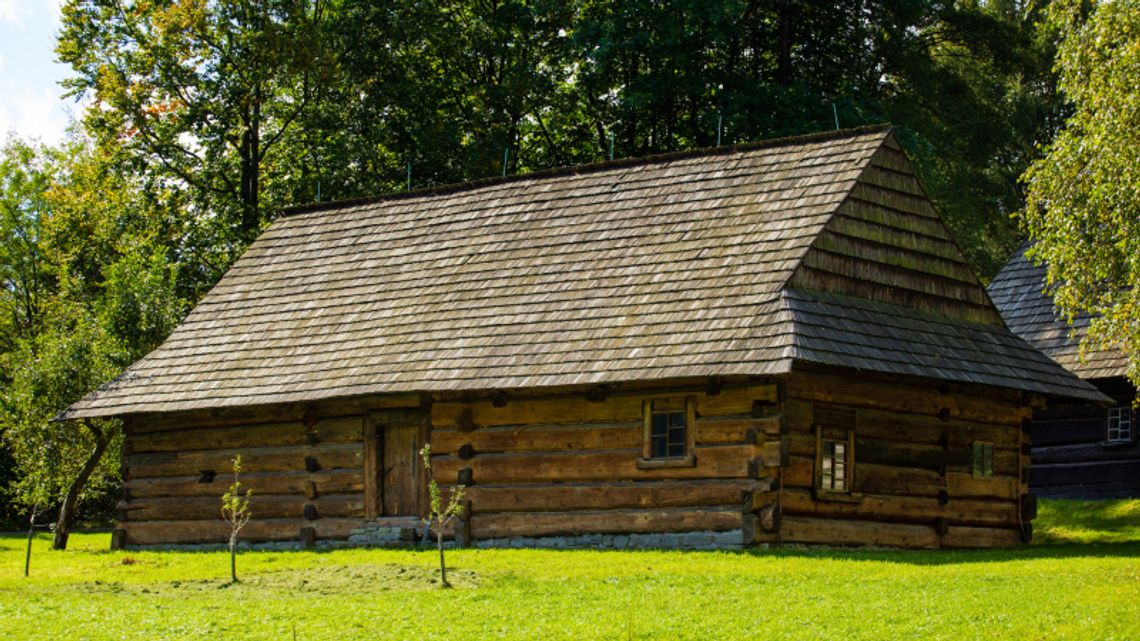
x,y
568,465
912,483
303,464
1071,458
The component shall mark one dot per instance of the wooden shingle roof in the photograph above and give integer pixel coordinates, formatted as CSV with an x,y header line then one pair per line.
x,y
1019,293
669,267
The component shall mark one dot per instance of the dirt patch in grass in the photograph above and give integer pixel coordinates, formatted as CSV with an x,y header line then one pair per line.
x,y
325,580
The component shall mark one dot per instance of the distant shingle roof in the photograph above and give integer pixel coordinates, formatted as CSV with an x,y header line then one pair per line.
x,y
1018,291
668,267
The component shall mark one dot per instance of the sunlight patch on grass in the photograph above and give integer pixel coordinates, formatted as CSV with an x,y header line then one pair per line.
x,y
1064,521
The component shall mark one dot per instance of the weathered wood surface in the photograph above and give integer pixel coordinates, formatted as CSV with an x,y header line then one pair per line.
x,y
911,481
579,410
981,537
341,481
262,506
508,524
897,508
887,393
277,413
811,530
338,430
730,461
254,459
595,496
217,531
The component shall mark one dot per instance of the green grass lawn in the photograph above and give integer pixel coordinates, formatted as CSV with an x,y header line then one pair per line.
x,y
1083,584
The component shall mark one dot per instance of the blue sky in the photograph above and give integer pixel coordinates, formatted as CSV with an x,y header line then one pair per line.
x,y
30,96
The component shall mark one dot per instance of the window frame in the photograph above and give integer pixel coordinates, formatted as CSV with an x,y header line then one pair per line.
x,y
980,469
847,438
686,404
1122,412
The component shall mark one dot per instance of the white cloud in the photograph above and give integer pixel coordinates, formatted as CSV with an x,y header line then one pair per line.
x,y
11,11
35,115
3,63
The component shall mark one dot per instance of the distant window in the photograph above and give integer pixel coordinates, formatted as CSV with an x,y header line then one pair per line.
x,y
835,461
983,460
668,435
1119,424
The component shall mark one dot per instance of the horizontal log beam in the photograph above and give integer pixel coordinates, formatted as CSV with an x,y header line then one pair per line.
x,y
217,531
871,392
811,530
509,524
339,430
540,438
254,459
729,461
598,496
903,509
261,507
342,481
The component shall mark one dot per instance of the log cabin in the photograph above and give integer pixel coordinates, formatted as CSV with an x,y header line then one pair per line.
x,y
767,344
1080,450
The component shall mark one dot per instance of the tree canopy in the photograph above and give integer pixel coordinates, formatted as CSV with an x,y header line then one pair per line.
x,y
1083,205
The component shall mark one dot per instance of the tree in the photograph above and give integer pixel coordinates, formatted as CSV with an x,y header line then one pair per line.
x,y
440,515
206,90
235,511
106,294
1083,206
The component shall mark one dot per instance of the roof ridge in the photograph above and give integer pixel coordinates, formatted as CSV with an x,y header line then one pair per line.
x,y
590,168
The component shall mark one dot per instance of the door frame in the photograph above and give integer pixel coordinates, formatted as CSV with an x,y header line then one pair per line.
x,y
373,441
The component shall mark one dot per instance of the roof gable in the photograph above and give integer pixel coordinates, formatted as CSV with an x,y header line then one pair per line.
x,y
887,243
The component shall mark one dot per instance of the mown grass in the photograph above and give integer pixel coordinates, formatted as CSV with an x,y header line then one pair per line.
x,y
1089,590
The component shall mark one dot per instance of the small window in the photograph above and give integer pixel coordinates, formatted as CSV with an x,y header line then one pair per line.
x,y
1119,424
983,460
833,466
835,458
668,437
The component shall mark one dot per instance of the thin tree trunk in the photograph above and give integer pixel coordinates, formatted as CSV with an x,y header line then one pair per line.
x,y
233,557
31,534
442,566
784,47
67,510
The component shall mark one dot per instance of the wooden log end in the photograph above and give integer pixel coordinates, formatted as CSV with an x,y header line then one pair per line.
x,y
770,518
311,492
118,539
941,526
308,537
466,476
465,422
311,513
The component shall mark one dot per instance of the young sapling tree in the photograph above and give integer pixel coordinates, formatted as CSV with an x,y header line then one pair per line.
x,y
235,510
440,515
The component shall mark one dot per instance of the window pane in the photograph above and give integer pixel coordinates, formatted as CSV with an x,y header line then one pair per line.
x,y
668,432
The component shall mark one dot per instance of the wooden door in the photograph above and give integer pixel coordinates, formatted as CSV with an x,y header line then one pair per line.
x,y
400,477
